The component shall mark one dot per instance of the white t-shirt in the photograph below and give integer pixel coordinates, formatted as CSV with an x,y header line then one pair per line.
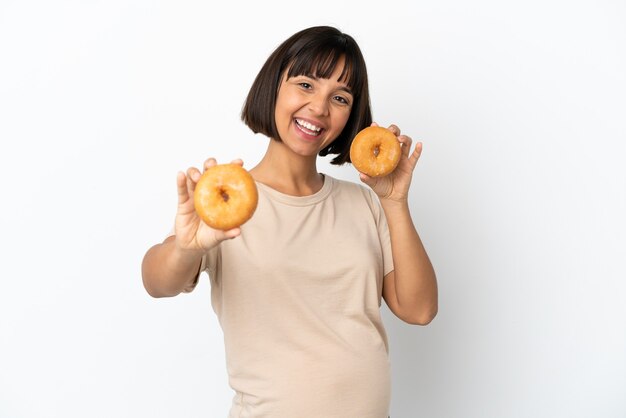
x,y
298,297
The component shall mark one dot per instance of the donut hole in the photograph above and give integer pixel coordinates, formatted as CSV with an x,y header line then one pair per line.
x,y
376,150
224,194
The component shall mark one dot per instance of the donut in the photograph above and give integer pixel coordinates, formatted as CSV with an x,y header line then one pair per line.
x,y
225,196
375,151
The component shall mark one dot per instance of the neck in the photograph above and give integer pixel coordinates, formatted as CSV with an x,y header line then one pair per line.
x,y
287,172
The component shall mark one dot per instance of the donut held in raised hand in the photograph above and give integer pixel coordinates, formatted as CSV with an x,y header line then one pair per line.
x,y
225,196
375,151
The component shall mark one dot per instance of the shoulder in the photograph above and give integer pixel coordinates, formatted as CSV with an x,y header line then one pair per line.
x,y
360,201
355,191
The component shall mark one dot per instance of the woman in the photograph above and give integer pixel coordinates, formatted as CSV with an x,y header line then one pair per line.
x,y
297,289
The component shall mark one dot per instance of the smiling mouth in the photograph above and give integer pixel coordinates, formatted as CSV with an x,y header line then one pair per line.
x,y
308,128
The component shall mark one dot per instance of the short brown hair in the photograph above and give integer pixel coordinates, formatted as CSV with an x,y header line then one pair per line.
x,y
314,51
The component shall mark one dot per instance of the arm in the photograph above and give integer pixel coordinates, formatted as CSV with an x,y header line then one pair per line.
x,y
410,290
167,270
172,266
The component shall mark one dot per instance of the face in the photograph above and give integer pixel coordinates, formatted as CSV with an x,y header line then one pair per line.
x,y
311,112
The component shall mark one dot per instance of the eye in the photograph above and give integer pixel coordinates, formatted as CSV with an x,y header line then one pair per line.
x,y
341,100
305,85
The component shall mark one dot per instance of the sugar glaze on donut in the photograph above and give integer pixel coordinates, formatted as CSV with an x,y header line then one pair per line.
x,y
225,196
375,151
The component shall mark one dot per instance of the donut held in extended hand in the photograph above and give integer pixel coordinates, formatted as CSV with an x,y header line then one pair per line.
x,y
375,151
225,196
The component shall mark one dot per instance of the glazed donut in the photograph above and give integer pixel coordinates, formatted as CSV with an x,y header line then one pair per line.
x,y
225,196
375,151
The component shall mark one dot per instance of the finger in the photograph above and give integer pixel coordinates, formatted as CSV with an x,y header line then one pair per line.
x,y
370,181
183,193
230,234
405,142
219,235
394,128
417,152
374,124
209,162
237,161
193,175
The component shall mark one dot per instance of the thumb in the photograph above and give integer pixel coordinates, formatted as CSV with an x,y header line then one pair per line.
x,y
229,234
370,181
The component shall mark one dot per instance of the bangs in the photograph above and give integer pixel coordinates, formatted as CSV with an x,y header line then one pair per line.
x,y
321,62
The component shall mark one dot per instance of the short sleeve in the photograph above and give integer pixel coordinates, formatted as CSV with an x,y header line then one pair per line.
x,y
383,232
191,286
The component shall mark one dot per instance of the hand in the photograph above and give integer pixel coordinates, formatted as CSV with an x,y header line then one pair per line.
x,y
192,234
395,185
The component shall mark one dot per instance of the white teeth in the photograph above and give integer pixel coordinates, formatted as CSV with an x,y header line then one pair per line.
x,y
308,125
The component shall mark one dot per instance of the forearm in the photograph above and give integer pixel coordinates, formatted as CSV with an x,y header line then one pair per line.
x,y
166,270
415,281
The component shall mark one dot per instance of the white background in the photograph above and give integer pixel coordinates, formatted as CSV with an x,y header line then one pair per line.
x,y
520,197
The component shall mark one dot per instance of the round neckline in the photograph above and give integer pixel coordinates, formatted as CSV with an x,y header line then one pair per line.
x,y
308,200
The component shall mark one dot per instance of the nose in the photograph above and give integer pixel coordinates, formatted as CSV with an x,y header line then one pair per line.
x,y
319,105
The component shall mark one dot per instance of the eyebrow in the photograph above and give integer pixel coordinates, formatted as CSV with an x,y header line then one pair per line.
x,y
347,90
